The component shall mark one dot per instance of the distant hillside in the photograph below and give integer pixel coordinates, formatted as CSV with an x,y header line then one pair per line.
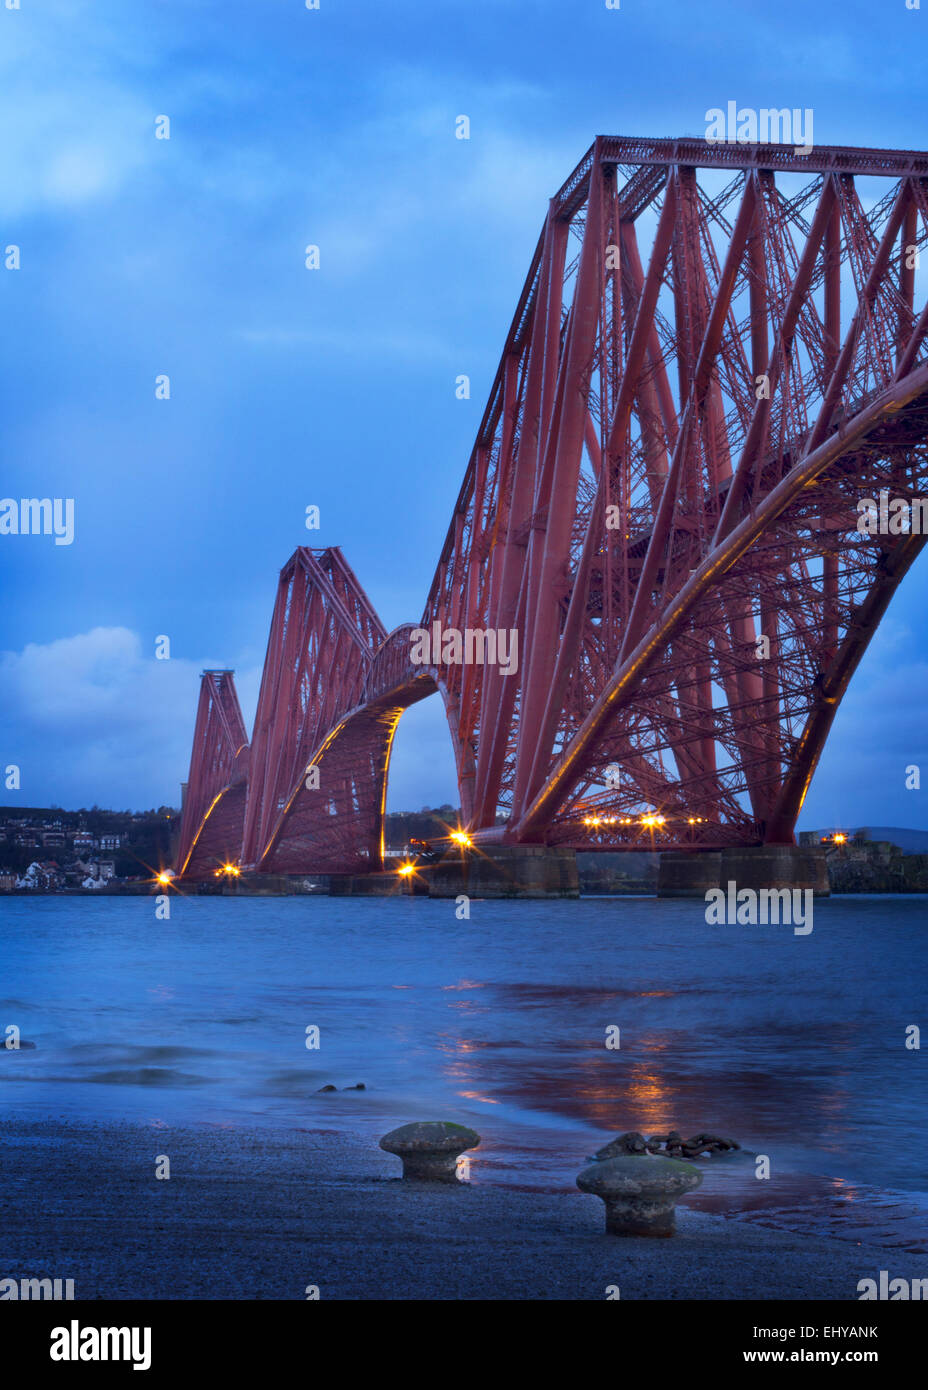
x,y
909,841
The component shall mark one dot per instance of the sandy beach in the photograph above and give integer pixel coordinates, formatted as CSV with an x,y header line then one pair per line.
x,y
263,1214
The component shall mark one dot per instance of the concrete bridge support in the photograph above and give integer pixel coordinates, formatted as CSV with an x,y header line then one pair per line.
x,y
689,875
505,871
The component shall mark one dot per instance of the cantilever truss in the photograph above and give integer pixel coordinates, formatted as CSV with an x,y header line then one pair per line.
x,y
323,636
719,353
214,807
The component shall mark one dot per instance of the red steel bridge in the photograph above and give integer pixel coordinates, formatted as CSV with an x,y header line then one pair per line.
x,y
717,354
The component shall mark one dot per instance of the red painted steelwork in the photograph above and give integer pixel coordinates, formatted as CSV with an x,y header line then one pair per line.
x,y
668,470
322,641
214,807
717,354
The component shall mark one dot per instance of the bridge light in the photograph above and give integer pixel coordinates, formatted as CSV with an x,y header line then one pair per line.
x,y
164,877
461,837
405,870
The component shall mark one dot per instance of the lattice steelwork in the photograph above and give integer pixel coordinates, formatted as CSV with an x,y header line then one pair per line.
x,y
702,380
214,807
719,351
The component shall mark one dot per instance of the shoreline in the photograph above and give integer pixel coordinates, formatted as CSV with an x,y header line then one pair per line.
x,y
146,889
252,1213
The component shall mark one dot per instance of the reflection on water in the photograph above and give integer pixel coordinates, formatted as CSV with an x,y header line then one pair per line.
x,y
795,1046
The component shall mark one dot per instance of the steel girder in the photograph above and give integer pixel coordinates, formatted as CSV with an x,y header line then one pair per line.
x,y
323,636
214,806
701,381
663,493
337,825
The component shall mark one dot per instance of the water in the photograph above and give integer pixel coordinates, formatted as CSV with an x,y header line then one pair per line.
x,y
795,1046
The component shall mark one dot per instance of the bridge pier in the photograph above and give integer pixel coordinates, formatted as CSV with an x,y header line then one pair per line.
x,y
378,885
505,871
689,875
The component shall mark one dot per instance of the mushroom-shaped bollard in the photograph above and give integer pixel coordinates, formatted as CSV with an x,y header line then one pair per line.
x,y
639,1192
430,1148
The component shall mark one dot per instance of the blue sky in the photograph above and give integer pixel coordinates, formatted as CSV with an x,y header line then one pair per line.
x,y
185,256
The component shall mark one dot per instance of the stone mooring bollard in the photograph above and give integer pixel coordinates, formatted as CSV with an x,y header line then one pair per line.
x,y
430,1148
639,1192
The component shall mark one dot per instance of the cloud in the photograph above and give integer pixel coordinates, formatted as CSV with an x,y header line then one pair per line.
x,y
95,718
72,130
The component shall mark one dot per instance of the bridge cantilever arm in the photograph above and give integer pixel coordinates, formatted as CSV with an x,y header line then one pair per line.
x,y
631,672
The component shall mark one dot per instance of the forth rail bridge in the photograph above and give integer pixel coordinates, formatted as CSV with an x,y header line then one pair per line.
x,y
716,356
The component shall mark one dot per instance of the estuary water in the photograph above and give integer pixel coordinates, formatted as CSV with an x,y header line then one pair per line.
x,y
793,1045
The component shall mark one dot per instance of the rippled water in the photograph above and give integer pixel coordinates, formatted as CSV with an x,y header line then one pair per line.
x,y
795,1046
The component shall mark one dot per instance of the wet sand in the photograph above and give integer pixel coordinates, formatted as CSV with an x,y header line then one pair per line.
x,y
257,1214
